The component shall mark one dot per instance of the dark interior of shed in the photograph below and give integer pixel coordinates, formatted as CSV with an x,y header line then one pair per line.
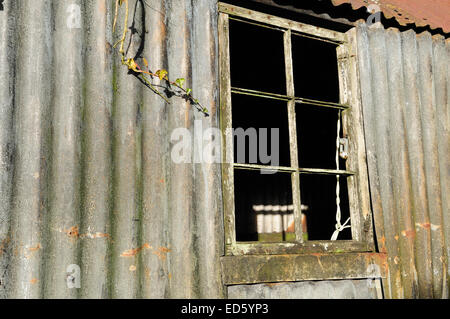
x,y
257,63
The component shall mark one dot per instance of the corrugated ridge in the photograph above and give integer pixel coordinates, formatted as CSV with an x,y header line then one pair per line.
x,y
7,72
31,144
155,160
63,218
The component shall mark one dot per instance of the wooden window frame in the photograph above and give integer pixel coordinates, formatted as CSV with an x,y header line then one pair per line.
x,y
358,191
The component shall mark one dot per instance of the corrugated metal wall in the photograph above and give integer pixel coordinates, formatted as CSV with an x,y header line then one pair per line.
x,y
405,85
86,176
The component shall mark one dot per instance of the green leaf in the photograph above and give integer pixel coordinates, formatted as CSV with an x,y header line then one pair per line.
x,y
161,74
180,82
188,91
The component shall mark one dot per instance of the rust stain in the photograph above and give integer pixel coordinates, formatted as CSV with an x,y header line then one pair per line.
x,y
380,259
424,225
72,232
372,257
94,235
161,180
383,242
158,37
408,233
33,281
165,249
161,252
32,249
396,237
133,252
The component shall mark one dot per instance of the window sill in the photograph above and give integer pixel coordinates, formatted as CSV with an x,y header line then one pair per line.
x,y
250,269
274,248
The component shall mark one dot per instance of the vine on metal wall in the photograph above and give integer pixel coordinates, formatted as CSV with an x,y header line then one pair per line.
x,y
145,74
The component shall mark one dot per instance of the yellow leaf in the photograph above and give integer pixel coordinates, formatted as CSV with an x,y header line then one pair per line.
x,y
161,74
132,65
145,62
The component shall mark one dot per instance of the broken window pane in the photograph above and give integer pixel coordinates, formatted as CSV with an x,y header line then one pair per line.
x,y
261,131
257,58
318,194
263,206
315,69
316,136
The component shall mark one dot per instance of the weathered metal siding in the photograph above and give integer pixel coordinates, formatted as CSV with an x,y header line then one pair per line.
x,y
86,176
327,289
85,171
405,82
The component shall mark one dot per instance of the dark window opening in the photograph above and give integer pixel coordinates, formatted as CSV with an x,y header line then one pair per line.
x,y
315,69
263,206
318,194
316,136
256,58
255,113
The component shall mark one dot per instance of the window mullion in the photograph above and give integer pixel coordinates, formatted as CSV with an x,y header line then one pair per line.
x,y
295,177
264,167
262,94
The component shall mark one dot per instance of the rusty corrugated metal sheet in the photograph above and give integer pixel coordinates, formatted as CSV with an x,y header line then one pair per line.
x,y
85,170
405,83
435,13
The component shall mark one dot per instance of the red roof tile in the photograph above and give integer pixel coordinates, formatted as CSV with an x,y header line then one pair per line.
x,y
433,13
